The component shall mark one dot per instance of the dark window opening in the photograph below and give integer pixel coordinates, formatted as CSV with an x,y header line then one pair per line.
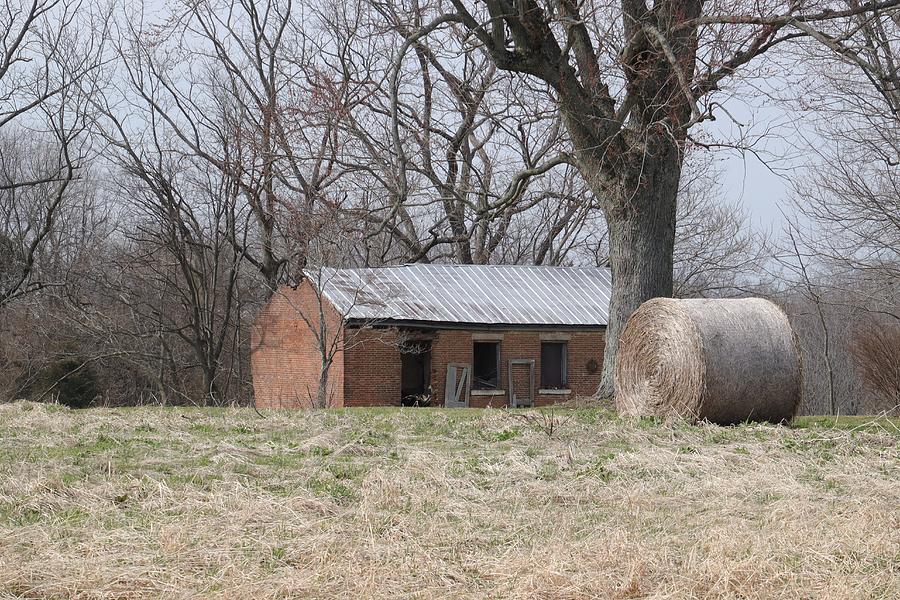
x,y
415,374
486,366
553,366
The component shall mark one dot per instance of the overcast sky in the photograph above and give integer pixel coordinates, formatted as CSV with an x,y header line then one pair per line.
x,y
762,183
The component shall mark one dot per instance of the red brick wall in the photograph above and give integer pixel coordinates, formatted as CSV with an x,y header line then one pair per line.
x,y
448,346
584,346
285,359
372,364
371,367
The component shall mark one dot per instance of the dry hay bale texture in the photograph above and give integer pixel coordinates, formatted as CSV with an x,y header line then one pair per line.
x,y
725,361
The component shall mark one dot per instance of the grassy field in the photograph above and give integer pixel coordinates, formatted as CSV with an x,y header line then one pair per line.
x,y
428,503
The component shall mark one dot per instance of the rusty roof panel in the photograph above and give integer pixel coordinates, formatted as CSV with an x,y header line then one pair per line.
x,y
476,294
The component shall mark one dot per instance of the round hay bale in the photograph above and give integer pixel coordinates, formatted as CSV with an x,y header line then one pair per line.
x,y
725,361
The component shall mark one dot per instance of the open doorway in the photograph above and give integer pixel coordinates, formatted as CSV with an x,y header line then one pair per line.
x,y
415,374
486,365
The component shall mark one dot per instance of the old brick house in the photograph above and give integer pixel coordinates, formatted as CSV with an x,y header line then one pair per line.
x,y
446,335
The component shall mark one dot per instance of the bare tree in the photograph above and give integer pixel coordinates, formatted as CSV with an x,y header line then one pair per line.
x,y
180,250
851,198
246,87
800,267
877,353
36,189
717,251
476,149
46,74
848,204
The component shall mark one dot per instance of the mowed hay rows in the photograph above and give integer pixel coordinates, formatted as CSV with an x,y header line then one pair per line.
x,y
420,503
722,360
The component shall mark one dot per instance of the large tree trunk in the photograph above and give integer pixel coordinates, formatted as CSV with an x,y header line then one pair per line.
x,y
641,244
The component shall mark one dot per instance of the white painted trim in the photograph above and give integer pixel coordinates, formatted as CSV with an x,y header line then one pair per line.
x,y
554,392
487,392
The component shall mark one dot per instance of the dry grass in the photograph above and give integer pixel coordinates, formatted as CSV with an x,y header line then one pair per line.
x,y
419,503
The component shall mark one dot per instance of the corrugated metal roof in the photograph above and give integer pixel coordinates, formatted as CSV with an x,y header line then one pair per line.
x,y
476,294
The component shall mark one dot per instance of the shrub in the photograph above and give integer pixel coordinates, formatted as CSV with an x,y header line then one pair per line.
x,y
72,381
876,351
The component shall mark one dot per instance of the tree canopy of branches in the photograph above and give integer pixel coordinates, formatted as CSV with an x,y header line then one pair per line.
x,y
46,73
851,199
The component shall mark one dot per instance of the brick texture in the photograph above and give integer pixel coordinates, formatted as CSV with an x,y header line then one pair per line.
x,y
448,346
285,354
372,367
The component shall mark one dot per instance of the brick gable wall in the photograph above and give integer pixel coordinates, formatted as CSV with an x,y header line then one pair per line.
x,y
285,358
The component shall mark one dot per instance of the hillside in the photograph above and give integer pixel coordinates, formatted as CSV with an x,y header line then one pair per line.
x,y
430,503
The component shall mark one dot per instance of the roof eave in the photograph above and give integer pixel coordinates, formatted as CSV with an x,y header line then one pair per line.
x,y
423,324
